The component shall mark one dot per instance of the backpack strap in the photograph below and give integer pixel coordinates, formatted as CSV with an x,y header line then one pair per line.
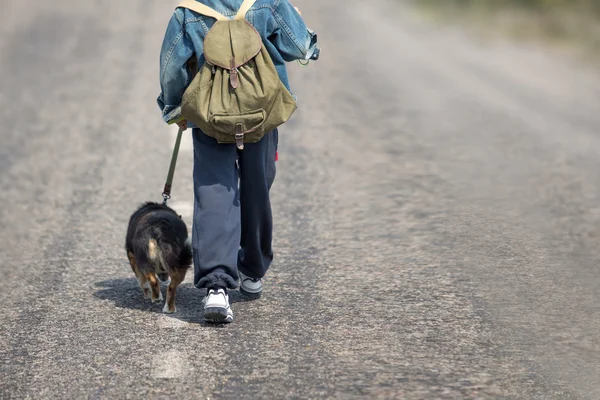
x,y
246,5
202,9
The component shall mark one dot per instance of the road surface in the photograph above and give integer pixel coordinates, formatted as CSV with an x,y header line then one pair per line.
x,y
437,215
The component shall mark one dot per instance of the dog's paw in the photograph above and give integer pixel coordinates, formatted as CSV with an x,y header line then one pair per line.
x,y
166,309
159,299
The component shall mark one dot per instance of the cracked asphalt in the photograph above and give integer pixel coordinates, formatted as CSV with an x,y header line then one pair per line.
x,y
437,217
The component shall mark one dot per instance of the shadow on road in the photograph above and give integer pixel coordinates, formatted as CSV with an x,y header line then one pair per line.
x,y
126,293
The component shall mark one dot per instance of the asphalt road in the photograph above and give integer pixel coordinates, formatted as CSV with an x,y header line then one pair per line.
x,y
436,208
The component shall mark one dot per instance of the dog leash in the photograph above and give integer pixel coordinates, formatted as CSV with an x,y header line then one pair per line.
x,y
167,190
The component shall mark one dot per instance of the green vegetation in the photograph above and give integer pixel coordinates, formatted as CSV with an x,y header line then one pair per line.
x,y
572,23
535,5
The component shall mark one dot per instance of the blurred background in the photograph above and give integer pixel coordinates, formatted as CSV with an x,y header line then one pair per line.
x,y
436,207
568,23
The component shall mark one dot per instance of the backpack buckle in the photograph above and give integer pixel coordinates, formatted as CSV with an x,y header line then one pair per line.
x,y
233,77
239,135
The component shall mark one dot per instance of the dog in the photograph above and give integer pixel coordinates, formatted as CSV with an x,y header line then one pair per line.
x,y
158,248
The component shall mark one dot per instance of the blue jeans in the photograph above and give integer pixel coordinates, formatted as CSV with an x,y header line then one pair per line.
x,y
233,223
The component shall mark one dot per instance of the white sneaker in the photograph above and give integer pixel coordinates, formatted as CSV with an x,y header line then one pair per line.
x,y
250,287
216,307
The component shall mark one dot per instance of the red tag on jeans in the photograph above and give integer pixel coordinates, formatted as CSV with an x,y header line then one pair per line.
x,y
276,156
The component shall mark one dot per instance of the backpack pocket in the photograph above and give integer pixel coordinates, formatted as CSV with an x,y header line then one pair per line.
x,y
228,124
238,128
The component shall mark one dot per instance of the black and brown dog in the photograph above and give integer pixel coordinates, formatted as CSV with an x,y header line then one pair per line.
x,y
158,247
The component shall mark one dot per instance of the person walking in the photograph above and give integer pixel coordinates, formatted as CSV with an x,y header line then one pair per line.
x,y
232,222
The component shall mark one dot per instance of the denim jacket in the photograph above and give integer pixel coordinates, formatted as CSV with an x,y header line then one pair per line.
x,y
283,31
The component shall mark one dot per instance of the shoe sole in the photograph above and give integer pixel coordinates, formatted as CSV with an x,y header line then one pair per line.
x,y
217,315
250,295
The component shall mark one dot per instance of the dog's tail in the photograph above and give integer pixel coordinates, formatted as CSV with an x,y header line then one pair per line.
x,y
160,256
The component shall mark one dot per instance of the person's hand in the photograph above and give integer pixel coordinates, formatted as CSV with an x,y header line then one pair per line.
x,y
182,124
297,9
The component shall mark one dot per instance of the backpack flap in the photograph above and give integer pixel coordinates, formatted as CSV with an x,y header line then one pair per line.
x,y
234,40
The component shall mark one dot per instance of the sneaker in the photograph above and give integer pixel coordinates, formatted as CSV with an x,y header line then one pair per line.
x,y
250,287
216,307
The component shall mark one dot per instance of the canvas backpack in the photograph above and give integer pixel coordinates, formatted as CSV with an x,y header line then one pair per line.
x,y
236,96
